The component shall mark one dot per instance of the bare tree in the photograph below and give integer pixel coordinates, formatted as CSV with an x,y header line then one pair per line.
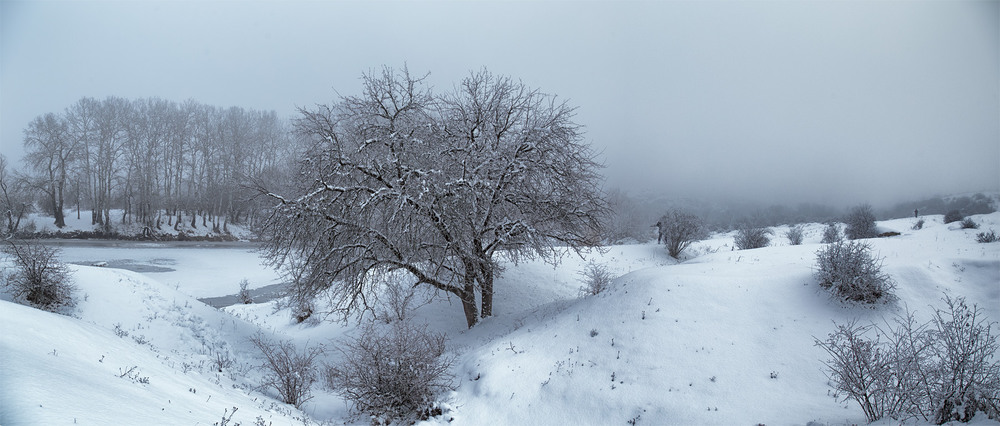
x,y
860,223
677,229
14,203
439,187
50,152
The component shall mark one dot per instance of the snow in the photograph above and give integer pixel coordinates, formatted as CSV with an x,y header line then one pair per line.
x,y
719,337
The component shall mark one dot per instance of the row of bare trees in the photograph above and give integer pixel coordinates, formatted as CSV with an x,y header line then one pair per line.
x,y
158,162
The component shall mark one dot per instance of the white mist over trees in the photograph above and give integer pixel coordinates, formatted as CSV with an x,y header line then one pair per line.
x,y
155,160
439,186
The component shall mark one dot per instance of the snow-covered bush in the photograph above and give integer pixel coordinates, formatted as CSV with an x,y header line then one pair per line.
x,y
752,236
678,229
918,225
596,278
391,372
860,223
987,237
39,279
831,234
953,216
287,369
794,235
940,371
968,223
244,295
850,271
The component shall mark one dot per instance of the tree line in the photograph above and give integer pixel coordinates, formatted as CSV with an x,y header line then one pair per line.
x,y
153,161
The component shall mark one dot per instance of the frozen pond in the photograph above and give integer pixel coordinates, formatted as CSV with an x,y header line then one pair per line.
x,y
206,270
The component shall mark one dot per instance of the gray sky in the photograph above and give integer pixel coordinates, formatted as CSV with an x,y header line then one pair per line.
x,y
785,101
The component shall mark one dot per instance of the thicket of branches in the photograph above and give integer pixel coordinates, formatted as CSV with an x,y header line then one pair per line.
x,y
39,279
678,229
158,161
940,371
852,273
439,186
391,372
860,223
751,236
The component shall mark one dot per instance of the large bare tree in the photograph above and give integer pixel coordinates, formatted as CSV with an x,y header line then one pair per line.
x,y
50,150
441,187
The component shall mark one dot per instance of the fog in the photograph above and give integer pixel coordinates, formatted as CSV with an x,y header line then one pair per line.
x,y
781,102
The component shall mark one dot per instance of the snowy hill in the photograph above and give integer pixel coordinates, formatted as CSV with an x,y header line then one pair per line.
x,y
722,337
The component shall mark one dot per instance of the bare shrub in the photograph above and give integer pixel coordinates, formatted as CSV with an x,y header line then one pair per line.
x,y
794,235
831,234
953,216
860,369
940,371
244,295
596,278
918,225
751,236
287,369
852,273
678,229
860,223
968,223
391,372
39,279
987,237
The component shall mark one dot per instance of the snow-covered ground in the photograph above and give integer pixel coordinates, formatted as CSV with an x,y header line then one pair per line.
x,y
722,337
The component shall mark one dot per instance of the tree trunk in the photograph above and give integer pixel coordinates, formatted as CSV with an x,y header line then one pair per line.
x,y
468,297
487,290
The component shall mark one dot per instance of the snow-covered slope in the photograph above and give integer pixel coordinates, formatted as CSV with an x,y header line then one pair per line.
x,y
722,337
137,352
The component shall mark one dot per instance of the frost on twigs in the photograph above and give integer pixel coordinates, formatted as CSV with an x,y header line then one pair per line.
x,y
441,187
391,372
39,279
849,270
940,371
596,278
287,369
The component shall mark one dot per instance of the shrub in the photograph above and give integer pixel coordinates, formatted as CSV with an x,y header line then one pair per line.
x,y
678,230
953,216
968,223
752,236
596,278
391,372
39,279
794,235
918,225
831,234
244,295
852,274
987,237
940,371
860,223
288,370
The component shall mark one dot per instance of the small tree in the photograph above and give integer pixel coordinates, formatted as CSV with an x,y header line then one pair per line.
x,y
860,223
831,234
794,235
39,280
751,236
391,372
679,229
288,370
244,295
852,273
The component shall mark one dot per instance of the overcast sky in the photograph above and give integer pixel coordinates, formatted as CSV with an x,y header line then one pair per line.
x,y
784,101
